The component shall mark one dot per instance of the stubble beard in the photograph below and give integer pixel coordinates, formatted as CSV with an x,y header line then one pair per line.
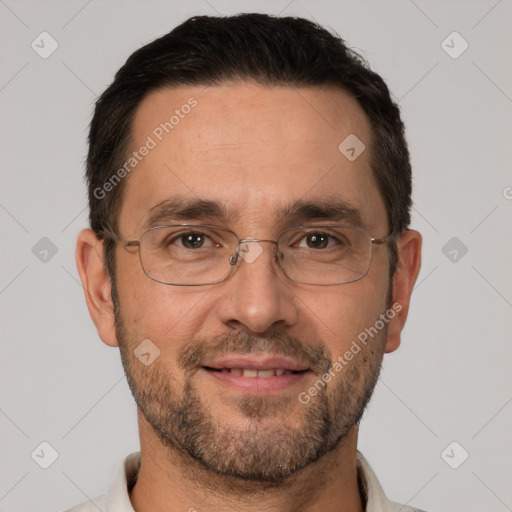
x,y
268,449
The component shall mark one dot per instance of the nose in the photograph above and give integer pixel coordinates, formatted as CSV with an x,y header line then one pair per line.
x,y
256,295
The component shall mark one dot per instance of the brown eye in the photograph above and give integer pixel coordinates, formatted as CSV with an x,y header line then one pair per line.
x,y
317,240
192,240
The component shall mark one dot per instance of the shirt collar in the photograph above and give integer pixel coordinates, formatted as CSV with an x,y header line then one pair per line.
x,y
118,497
371,490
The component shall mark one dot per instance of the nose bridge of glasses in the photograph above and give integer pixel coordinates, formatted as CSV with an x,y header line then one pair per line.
x,y
249,249
247,240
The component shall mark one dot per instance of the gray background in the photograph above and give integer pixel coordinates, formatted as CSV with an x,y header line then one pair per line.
x,y
450,380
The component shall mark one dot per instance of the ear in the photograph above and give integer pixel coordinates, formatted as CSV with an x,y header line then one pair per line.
x,y
96,284
409,263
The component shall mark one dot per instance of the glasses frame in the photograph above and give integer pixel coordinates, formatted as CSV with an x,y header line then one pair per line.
x,y
234,258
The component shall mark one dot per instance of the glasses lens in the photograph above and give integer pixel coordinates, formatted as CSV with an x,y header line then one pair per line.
x,y
187,255
325,255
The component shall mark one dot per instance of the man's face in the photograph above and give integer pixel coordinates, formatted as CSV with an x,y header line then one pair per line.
x,y
255,151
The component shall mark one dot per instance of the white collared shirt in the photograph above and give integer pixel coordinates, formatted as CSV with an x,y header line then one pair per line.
x,y
117,498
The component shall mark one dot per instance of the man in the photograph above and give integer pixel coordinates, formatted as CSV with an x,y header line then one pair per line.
x,y
249,188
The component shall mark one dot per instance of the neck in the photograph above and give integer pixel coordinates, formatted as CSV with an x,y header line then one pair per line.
x,y
172,481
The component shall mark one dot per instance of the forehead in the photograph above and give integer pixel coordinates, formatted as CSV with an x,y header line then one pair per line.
x,y
251,148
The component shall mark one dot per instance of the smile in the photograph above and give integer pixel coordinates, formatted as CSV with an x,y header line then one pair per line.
x,y
256,373
252,373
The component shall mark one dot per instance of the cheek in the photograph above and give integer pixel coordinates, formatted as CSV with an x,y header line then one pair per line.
x,y
341,315
169,316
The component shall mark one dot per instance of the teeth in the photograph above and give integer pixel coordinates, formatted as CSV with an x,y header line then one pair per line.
x,y
273,372
266,373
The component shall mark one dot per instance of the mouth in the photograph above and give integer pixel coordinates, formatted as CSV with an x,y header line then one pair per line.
x,y
257,374
252,373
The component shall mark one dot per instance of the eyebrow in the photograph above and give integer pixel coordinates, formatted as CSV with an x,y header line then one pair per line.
x,y
320,209
177,209
181,209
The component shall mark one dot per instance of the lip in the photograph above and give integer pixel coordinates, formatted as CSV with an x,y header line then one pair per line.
x,y
295,372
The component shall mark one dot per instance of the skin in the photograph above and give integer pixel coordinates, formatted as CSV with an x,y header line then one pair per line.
x,y
252,148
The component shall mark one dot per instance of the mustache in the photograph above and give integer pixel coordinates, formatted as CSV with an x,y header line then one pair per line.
x,y
277,342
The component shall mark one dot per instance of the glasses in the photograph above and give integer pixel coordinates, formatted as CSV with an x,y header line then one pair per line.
x,y
202,254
